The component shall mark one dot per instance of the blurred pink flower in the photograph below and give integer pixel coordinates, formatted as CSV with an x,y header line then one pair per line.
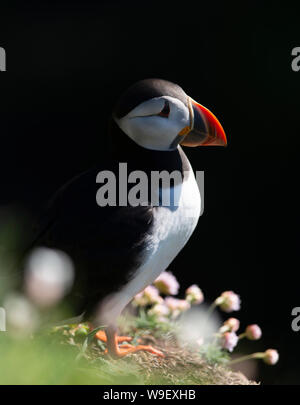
x,y
200,341
167,283
194,294
253,332
271,357
229,340
149,296
159,310
230,325
21,315
228,301
49,275
175,303
176,306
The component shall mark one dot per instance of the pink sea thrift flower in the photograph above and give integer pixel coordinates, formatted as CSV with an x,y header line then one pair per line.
x,y
253,332
49,275
230,325
228,301
200,341
167,283
229,340
271,357
194,295
149,296
176,306
161,311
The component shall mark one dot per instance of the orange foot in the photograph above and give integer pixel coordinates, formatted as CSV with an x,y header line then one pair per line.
x,y
116,351
124,350
101,335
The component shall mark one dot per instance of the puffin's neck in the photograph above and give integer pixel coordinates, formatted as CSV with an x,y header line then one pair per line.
x,y
123,149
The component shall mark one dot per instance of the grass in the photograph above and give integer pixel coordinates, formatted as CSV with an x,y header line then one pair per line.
x,y
70,354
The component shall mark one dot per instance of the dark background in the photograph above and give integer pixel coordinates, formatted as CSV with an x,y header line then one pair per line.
x,y
68,62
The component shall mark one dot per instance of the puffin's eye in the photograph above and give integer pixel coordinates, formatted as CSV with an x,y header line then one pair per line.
x,y
165,111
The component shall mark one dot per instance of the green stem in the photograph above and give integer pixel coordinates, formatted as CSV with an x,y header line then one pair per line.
x,y
242,335
257,355
211,309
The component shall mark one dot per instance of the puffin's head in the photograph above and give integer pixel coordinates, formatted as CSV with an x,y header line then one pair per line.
x,y
158,115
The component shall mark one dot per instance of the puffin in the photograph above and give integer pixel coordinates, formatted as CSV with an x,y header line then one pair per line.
x,y
121,247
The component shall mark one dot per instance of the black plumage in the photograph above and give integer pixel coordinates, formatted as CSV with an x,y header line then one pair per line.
x,y
124,245
106,244
145,90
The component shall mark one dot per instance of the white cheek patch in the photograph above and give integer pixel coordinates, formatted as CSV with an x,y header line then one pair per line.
x,y
149,107
152,131
179,114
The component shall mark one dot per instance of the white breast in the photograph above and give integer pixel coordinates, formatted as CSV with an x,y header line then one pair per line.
x,y
171,230
173,227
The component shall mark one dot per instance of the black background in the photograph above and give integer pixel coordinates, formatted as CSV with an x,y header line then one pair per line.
x,y
68,62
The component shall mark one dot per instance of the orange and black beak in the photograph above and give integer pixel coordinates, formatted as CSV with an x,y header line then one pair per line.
x,y
205,129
